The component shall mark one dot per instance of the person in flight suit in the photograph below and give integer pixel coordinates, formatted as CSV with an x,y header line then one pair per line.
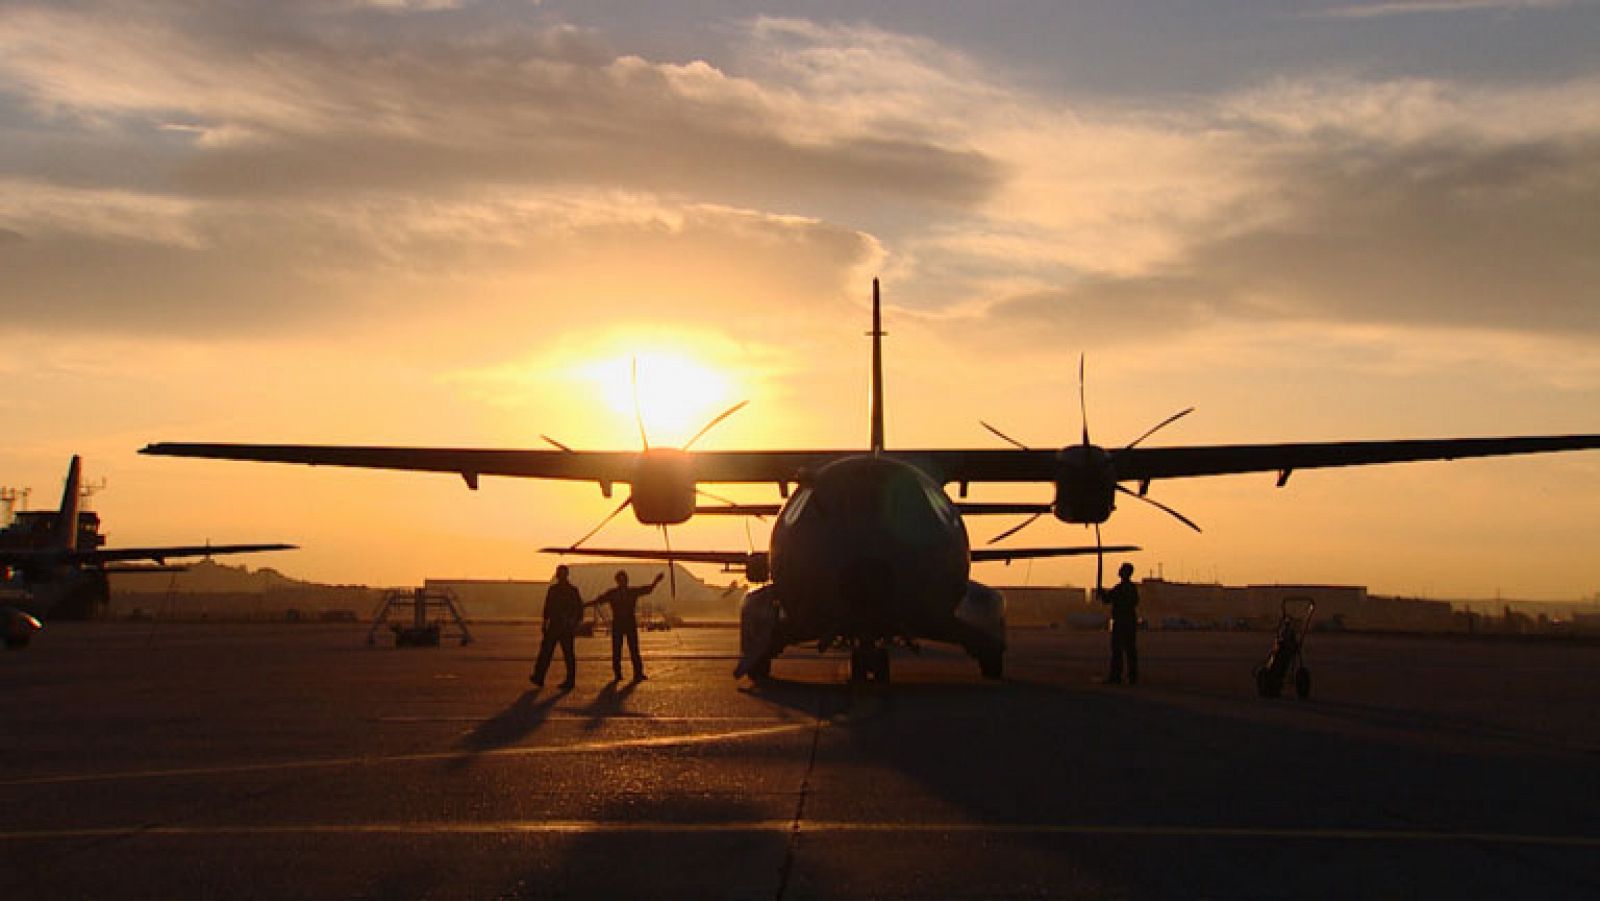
x,y
625,623
563,610
1124,600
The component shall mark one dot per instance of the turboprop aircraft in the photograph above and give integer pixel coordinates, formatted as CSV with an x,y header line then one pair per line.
x,y
868,549
57,572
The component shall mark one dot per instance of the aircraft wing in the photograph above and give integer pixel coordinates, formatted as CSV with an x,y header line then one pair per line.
x,y
985,555
160,554
470,463
1147,463
989,465
120,555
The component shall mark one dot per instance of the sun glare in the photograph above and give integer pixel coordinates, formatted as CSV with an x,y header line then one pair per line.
x,y
677,394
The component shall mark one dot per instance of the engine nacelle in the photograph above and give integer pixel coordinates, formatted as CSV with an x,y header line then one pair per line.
x,y
1086,485
663,487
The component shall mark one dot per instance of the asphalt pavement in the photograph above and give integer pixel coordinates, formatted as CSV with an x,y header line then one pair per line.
x,y
160,760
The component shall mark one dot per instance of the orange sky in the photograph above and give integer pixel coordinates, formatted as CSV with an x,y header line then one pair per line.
x,y
455,226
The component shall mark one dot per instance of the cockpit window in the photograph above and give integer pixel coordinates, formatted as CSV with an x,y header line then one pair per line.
x,y
797,505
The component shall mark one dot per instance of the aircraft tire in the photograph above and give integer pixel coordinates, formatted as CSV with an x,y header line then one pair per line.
x,y
1302,683
858,666
992,666
879,670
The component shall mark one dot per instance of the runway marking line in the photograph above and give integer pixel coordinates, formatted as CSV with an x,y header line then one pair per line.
x,y
786,826
657,741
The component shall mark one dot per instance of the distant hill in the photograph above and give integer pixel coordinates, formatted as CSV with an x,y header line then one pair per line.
x,y
210,589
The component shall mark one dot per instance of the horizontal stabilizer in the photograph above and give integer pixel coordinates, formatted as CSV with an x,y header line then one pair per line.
x,y
1001,509
139,569
737,510
727,558
1029,553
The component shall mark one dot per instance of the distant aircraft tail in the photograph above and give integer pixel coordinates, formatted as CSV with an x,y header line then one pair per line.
x,y
66,531
876,397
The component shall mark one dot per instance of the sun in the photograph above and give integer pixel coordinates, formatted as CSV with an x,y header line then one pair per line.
x,y
677,394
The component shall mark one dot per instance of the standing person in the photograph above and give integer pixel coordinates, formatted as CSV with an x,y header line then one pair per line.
x,y
624,622
1124,600
563,609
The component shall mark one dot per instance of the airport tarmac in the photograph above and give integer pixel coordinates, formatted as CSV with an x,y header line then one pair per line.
x,y
160,760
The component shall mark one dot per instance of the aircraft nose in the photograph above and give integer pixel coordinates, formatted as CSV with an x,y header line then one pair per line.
x,y
867,583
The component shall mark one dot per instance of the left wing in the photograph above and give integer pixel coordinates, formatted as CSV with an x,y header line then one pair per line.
x,y
1140,464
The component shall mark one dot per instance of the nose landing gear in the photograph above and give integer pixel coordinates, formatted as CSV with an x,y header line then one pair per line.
x,y
869,662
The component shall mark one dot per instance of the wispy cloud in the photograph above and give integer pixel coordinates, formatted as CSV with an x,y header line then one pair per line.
x,y
1425,7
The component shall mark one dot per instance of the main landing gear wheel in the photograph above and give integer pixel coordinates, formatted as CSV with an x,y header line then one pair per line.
x,y
869,664
761,669
991,666
1302,683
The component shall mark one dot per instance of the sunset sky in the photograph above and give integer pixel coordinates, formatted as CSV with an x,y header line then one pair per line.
x,y
454,223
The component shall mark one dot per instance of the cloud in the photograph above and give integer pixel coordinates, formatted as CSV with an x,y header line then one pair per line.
x,y
359,170
1423,7
147,263
291,109
1406,202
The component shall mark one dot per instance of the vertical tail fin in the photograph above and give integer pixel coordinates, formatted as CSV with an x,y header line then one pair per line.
x,y
66,531
876,400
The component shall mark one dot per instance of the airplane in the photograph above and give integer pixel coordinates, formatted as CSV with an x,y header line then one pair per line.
x,y
868,549
58,573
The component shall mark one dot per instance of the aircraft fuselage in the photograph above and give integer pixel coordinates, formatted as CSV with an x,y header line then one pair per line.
x,y
869,549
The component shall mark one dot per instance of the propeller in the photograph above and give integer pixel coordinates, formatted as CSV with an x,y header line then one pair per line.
x,y
1083,413
644,441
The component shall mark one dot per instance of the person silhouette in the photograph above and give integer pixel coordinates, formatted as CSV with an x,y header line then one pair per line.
x,y
563,609
624,602
1124,600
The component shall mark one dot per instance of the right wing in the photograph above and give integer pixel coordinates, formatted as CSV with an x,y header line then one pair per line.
x,y
470,463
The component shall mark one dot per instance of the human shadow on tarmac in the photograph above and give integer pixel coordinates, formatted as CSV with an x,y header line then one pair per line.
x,y
520,718
610,703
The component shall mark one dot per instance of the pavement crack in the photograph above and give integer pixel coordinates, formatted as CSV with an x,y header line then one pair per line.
x,y
793,844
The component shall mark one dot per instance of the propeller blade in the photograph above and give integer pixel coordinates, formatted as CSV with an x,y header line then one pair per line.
x,y
1003,436
672,569
1159,426
1083,402
749,540
638,409
1014,529
1160,506
609,517
558,445
708,426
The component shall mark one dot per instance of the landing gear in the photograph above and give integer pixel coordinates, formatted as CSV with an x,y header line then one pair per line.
x,y
869,663
992,666
761,669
